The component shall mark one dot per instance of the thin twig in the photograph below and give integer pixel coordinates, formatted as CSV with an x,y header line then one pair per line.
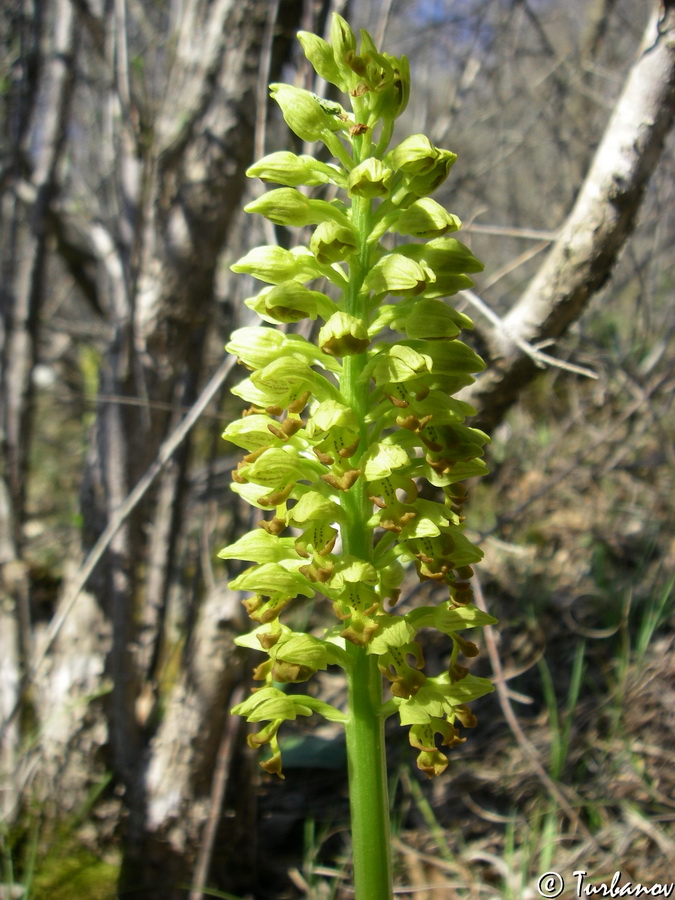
x,y
531,234
541,360
218,788
514,264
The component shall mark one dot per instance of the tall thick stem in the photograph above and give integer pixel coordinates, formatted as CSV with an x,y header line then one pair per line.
x,y
368,794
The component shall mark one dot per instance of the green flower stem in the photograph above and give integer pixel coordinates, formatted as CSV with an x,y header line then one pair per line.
x,y
369,803
335,469
368,796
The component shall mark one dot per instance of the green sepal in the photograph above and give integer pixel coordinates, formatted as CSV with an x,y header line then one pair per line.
x,y
415,155
260,547
343,335
270,704
287,168
330,713
252,494
430,520
382,458
314,506
392,631
290,301
436,405
460,471
257,347
448,357
395,97
304,113
445,255
277,467
396,363
331,415
274,264
282,383
296,657
421,185
342,38
437,698
414,186
320,55
332,242
430,319
351,570
251,433
425,218
287,206
395,273
370,65
448,259
451,549
449,619
370,178
272,580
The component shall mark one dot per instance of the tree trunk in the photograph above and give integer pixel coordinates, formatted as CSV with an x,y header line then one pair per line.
x,y
153,243
38,101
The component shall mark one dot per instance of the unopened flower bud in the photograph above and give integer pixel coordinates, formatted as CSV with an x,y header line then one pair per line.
x,y
395,90
371,178
414,155
285,167
425,183
286,206
343,335
426,219
332,242
303,112
321,56
396,274
343,41
290,301
275,264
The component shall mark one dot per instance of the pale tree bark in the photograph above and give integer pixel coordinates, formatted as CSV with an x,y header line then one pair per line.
x,y
603,217
38,103
145,251
181,761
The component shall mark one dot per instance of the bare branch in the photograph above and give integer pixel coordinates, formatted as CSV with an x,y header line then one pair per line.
x,y
582,259
540,359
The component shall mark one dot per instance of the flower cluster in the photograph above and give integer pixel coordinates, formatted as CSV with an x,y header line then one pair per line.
x,y
340,435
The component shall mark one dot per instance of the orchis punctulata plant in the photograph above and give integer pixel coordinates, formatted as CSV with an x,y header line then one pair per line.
x,y
341,434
